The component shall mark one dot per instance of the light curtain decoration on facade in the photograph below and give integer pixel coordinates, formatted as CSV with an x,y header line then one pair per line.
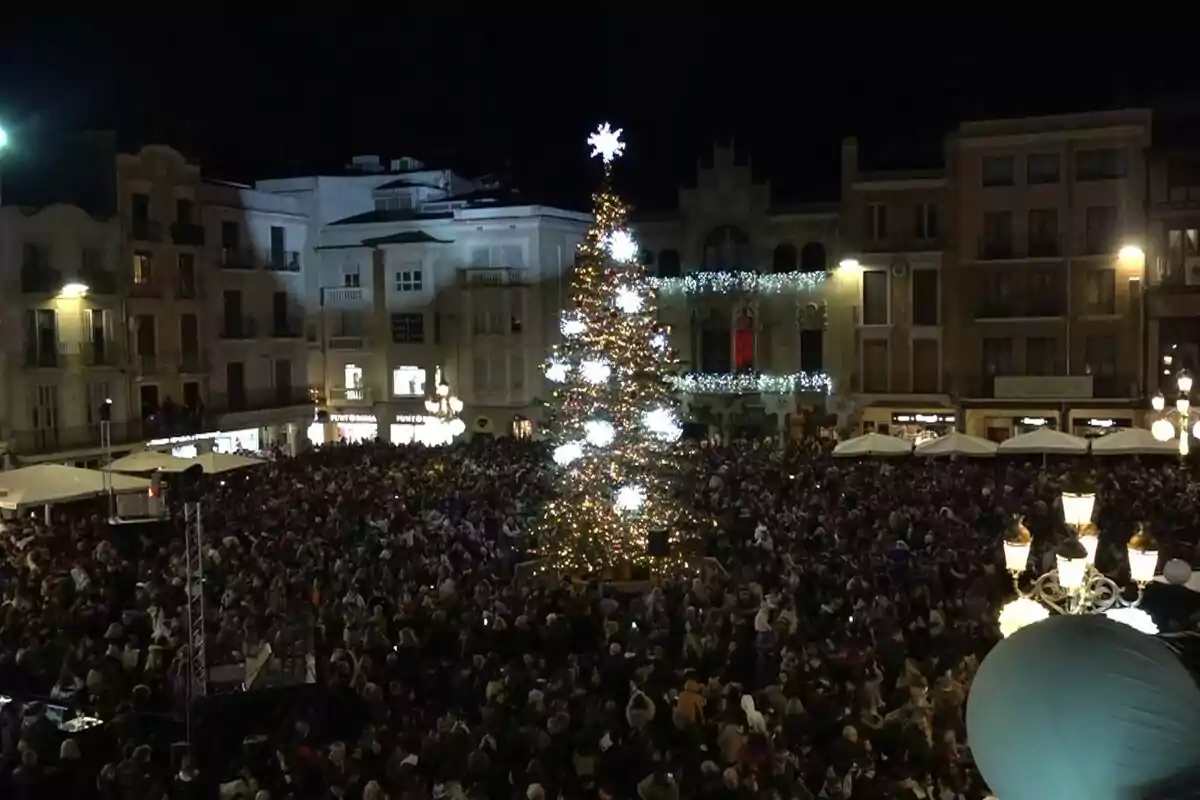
x,y
1164,428
445,407
1075,586
739,283
737,383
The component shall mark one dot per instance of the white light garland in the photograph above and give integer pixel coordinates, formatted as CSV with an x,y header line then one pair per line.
x,y
630,498
595,371
629,300
740,283
558,371
599,432
568,453
736,383
572,324
622,246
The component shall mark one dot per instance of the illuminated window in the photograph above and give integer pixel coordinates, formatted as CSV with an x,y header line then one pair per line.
x,y
143,270
408,381
354,382
522,428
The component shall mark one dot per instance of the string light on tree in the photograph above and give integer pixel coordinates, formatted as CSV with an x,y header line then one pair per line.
x,y
615,428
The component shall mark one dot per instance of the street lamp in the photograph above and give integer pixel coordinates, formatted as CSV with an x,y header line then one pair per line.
x,y
1075,586
445,407
73,290
1164,429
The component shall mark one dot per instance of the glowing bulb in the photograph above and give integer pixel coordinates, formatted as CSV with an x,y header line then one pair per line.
x,y
1163,430
622,246
606,143
1018,613
557,371
629,300
659,341
457,426
567,453
1158,402
595,371
1196,430
662,424
572,324
630,498
599,432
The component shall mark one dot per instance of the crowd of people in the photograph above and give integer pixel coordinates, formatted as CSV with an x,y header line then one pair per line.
x,y
824,649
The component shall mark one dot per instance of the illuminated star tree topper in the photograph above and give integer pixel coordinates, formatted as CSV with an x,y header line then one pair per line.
x,y
606,143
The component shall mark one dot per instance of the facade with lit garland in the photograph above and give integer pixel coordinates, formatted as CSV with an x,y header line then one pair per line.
x,y
745,288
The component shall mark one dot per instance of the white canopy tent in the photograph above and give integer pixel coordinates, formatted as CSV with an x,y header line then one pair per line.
x,y
957,444
872,444
1133,441
45,484
1044,441
216,463
149,461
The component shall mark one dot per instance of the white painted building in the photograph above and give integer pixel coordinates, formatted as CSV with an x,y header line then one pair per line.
x,y
62,348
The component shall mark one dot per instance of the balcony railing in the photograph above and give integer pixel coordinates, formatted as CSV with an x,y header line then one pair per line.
x,y
189,290
101,353
188,234
237,258
145,230
1032,308
259,399
239,328
37,279
354,394
283,261
149,289
341,342
344,296
192,363
149,363
288,328
46,357
99,281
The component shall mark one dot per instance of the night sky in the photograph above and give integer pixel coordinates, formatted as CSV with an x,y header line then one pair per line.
x,y
256,94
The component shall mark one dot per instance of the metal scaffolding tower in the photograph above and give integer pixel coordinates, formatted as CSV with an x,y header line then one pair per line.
x,y
197,678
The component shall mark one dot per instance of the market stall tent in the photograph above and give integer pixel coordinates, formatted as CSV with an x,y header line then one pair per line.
x,y
1133,441
1044,441
45,484
872,444
216,463
149,461
957,444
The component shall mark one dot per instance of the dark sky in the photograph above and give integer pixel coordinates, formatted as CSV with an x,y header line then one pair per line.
x,y
261,92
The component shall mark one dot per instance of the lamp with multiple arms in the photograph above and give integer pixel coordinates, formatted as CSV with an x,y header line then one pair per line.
x,y
1164,429
1075,586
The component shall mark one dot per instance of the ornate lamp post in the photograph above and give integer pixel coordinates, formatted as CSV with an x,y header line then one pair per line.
x,y
1164,428
445,407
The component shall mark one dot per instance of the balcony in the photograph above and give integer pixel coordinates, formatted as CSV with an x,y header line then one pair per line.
x,y
494,276
239,328
345,297
283,261
189,290
259,399
40,442
99,281
342,342
145,230
192,362
354,394
1033,308
187,234
237,258
149,363
44,357
288,328
146,289
101,353
996,250
38,279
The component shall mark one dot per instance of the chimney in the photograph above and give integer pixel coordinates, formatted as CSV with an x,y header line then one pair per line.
x,y
366,164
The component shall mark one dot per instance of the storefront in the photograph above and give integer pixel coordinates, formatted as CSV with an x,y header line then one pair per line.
x,y
1089,424
246,440
999,425
402,429
919,426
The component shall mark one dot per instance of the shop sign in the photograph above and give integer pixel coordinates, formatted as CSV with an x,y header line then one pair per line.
x,y
412,419
1121,422
918,418
370,418
1035,422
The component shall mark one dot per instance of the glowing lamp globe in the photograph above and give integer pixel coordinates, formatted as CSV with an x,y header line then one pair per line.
x,y
1177,572
1016,614
1184,382
457,427
1163,430
1081,707
1077,508
1071,571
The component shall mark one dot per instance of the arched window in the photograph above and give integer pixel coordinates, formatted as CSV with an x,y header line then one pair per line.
x,y
668,264
812,258
784,258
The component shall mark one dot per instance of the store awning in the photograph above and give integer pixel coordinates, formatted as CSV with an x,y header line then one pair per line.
x,y
216,463
44,484
149,461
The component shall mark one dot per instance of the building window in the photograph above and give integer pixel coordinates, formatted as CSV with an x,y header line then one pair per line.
x,y
1043,232
516,370
875,365
231,235
925,300
353,376
408,381
1100,291
1102,164
997,235
876,222
997,356
875,297
784,258
997,171
1100,353
408,328
926,366
1182,245
1099,229
925,222
1047,292
812,350
1041,355
408,280
350,276
143,269
1042,168
522,428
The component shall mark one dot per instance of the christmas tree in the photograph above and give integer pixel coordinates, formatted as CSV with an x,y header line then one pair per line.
x,y
614,425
